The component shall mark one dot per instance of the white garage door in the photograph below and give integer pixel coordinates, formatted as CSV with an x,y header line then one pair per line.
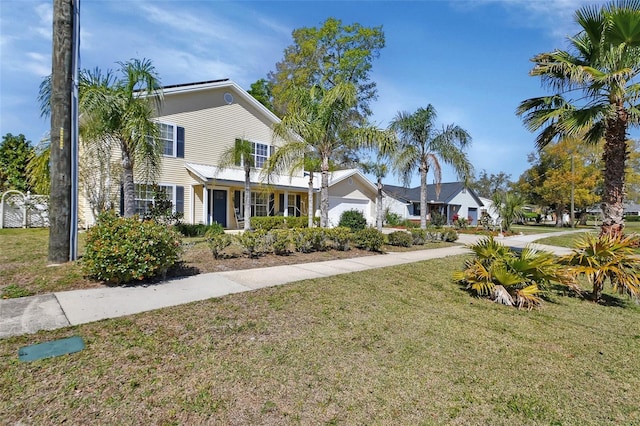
x,y
338,205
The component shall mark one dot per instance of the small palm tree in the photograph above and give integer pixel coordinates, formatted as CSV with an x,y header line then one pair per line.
x,y
510,208
605,257
508,278
422,146
241,153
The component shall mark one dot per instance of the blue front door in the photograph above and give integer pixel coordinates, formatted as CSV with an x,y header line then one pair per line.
x,y
218,206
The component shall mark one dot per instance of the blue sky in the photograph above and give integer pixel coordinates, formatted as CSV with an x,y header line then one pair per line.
x,y
469,59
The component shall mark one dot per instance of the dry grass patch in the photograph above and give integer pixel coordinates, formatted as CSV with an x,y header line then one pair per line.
x,y
401,345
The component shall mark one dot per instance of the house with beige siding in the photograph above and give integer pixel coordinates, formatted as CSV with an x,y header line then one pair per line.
x,y
198,122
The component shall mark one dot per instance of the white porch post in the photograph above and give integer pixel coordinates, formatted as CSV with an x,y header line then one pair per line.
x,y
192,207
205,205
286,203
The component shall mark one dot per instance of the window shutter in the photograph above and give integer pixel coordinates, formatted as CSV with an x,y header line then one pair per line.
x,y
180,199
121,200
298,205
281,203
272,150
180,143
236,200
272,205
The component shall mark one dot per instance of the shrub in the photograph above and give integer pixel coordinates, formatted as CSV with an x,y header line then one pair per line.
x,y
268,222
353,219
300,221
369,239
400,239
460,222
632,218
254,243
120,250
213,230
341,237
450,235
218,242
281,241
438,219
392,219
418,236
307,240
197,230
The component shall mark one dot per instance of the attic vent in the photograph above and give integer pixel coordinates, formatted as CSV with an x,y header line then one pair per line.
x,y
350,181
228,98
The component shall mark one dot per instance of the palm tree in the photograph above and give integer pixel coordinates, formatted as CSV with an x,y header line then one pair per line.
x,y
510,207
379,169
422,146
602,67
241,153
118,114
314,126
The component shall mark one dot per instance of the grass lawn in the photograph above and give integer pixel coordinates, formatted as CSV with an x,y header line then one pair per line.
x,y
400,345
570,239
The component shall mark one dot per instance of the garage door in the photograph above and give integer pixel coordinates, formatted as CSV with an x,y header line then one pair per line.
x,y
338,205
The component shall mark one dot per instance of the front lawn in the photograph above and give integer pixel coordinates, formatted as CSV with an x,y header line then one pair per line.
x,y
400,345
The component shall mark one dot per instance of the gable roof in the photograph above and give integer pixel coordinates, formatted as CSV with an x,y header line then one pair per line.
x,y
224,83
448,191
338,176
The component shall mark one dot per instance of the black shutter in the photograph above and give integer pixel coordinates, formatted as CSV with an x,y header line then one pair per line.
x,y
272,205
121,200
180,143
180,199
298,206
281,203
236,201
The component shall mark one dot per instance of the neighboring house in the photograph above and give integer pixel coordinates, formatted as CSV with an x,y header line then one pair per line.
x,y
198,122
488,207
350,190
631,209
452,199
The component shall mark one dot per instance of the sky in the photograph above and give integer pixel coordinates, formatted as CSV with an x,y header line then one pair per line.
x,y
470,59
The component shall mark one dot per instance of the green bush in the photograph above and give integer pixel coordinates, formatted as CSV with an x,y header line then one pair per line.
x,y
268,222
121,250
197,230
300,221
213,230
341,237
418,236
438,219
218,242
369,239
632,218
449,235
307,240
392,219
281,241
254,243
353,219
400,239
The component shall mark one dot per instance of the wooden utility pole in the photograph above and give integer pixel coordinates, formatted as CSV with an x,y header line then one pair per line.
x,y
60,168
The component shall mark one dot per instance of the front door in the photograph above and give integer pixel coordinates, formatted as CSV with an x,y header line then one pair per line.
x,y
218,206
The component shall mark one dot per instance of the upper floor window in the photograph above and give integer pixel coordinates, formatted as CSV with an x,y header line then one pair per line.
x,y
168,138
260,153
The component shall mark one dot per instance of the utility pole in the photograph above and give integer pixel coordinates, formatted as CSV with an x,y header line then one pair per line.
x,y
60,168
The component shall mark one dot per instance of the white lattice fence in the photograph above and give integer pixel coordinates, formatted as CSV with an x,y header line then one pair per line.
x,y
18,210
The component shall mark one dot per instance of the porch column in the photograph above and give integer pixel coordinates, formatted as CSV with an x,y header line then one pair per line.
x,y
286,203
192,204
205,205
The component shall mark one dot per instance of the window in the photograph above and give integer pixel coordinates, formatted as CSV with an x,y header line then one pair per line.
x,y
292,209
167,136
260,153
259,204
144,197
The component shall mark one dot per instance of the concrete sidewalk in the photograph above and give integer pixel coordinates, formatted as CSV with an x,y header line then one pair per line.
x,y
62,309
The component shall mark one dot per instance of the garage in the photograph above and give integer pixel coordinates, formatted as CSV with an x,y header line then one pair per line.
x,y
337,205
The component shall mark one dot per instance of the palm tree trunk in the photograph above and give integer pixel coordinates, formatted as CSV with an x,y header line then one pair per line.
x,y
614,158
379,211
60,169
247,196
310,212
128,185
423,197
596,294
324,194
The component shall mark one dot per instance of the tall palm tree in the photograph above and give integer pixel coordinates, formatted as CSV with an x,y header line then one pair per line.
x,y
241,153
422,146
602,69
379,169
314,126
118,114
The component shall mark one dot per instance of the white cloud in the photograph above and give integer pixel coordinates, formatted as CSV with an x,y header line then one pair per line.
x,y
37,64
44,12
